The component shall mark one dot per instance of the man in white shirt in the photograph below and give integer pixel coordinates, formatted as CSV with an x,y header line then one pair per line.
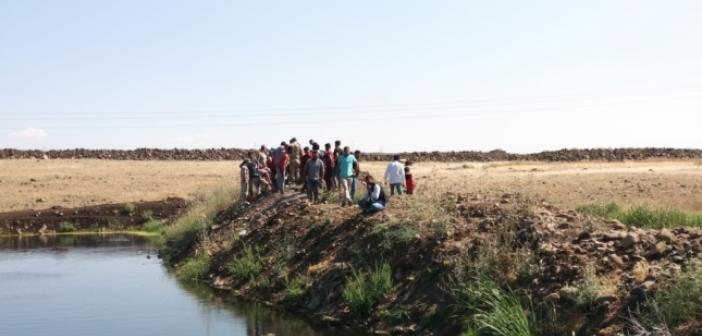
x,y
395,175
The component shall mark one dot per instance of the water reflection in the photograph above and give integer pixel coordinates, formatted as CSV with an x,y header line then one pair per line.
x,y
113,285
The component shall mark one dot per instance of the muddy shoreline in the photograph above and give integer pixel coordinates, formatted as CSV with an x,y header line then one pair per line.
x,y
216,154
96,218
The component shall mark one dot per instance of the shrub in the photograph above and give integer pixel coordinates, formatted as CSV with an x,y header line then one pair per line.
x,y
295,288
129,208
363,291
65,227
643,216
589,287
153,225
489,310
247,266
187,229
678,301
194,269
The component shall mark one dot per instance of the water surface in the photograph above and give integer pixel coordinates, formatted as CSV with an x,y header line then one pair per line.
x,y
114,285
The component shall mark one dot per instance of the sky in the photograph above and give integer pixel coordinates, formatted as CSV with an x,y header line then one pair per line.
x,y
521,76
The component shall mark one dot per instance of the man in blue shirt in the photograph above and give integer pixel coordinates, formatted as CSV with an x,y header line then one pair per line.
x,y
345,165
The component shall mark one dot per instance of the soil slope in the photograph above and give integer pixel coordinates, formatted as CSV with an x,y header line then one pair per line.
x,y
538,250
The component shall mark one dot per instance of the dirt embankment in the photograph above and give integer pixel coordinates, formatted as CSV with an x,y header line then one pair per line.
x,y
106,217
617,154
587,275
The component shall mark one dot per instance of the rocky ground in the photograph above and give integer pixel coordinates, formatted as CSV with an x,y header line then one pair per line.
x,y
617,154
586,275
106,217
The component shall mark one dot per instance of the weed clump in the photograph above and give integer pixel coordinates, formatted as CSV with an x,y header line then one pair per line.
x,y
295,288
153,225
65,227
247,266
195,268
678,301
363,291
490,310
186,230
642,216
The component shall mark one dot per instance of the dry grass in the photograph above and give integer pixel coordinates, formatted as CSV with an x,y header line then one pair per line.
x,y
674,184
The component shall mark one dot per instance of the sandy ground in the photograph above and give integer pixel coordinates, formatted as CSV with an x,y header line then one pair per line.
x,y
26,184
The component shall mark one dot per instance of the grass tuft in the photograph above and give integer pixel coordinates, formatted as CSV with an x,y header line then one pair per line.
x,y
295,288
65,227
187,229
247,266
642,216
153,225
363,291
195,268
678,301
489,310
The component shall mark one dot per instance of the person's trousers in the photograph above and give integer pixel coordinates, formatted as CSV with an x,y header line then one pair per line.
x,y
295,171
354,181
254,186
244,186
395,186
369,207
329,180
280,180
345,188
313,190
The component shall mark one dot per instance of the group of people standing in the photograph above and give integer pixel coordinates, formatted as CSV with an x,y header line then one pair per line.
x,y
269,170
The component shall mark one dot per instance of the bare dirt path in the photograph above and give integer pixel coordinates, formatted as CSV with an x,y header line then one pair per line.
x,y
37,184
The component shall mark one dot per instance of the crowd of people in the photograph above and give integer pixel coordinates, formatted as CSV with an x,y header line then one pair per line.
x,y
316,169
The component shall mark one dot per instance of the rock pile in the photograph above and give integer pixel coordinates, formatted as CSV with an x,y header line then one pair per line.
x,y
619,154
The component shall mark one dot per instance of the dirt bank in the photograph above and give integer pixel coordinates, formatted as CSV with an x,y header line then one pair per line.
x,y
106,217
574,274
600,154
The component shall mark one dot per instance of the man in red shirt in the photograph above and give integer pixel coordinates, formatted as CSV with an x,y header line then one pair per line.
x,y
280,162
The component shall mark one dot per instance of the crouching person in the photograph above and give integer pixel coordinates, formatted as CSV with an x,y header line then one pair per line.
x,y
375,200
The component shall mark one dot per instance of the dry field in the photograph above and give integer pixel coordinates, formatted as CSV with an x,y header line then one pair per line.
x,y
27,184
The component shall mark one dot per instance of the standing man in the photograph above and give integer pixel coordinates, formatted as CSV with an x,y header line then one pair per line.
x,y
395,175
244,182
329,165
280,163
295,156
303,161
356,173
337,153
313,172
345,164
261,158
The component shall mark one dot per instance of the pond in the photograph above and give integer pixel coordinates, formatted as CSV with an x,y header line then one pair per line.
x,y
114,285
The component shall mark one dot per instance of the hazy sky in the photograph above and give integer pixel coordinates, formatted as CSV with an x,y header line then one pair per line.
x,y
379,75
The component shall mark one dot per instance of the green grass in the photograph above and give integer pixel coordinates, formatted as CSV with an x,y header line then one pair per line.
x,y
489,310
295,288
195,268
65,227
363,291
247,266
187,229
153,225
589,287
644,217
678,301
